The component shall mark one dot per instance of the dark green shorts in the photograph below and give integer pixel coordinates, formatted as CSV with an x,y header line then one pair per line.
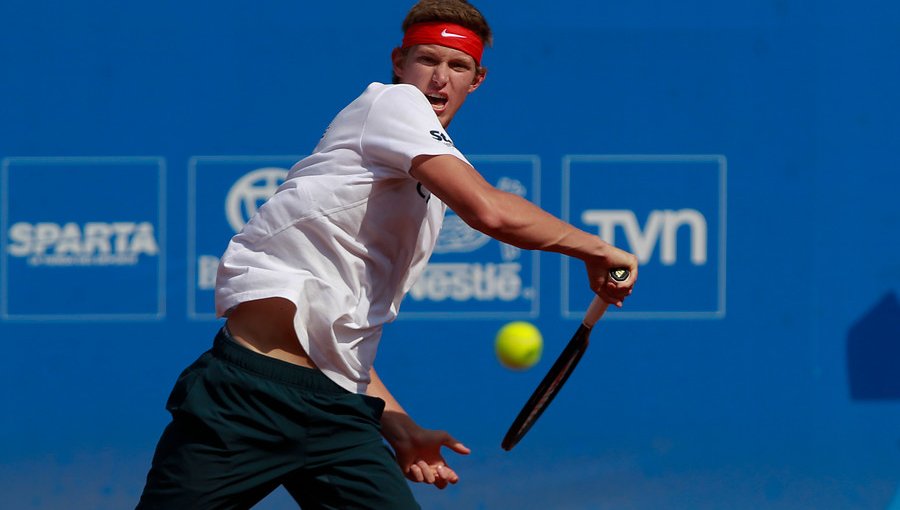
x,y
244,424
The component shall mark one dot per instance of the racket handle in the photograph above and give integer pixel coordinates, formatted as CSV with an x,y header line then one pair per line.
x,y
594,312
598,306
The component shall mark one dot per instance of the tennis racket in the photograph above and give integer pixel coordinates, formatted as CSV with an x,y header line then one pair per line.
x,y
560,371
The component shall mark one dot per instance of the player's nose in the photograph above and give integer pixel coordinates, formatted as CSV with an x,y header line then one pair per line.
x,y
440,75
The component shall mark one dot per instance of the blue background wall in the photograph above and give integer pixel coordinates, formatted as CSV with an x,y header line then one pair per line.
x,y
782,394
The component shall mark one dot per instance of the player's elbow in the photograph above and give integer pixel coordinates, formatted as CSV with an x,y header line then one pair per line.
x,y
489,211
487,216
487,221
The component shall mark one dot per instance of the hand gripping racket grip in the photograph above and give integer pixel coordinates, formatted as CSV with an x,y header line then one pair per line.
x,y
598,306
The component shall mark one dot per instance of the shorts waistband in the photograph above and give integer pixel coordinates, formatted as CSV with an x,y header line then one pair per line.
x,y
227,349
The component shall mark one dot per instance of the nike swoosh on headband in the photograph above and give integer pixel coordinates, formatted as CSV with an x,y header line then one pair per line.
x,y
445,33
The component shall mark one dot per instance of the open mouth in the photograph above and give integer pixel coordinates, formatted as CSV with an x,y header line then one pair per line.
x,y
437,100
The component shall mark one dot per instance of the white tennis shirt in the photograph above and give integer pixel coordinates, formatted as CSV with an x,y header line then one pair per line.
x,y
347,234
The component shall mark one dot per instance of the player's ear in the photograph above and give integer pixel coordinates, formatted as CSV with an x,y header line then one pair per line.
x,y
397,59
480,75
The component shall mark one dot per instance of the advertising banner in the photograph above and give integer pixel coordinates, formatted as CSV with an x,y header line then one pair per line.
x,y
83,238
669,210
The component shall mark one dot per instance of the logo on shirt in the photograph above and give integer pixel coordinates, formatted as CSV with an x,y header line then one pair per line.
x,y
423,192
442,137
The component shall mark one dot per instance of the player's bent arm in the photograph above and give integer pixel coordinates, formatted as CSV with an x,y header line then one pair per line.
x,y
514,220
501,215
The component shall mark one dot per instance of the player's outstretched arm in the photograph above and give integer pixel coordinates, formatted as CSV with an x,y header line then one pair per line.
x,y
418,450
514,220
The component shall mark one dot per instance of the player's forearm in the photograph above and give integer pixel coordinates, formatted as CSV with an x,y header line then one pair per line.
x,y
396,424
504,216
516,221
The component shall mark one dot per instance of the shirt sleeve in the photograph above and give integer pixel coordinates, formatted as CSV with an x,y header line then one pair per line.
x,y
400,126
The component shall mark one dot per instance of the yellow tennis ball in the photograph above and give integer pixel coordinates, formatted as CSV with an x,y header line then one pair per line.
x,y
519,345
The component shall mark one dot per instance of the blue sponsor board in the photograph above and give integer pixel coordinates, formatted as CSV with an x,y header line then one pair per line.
x,y
223,193
471,275
83,238
670,211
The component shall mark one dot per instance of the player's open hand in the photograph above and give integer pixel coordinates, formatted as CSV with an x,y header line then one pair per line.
x,y
419,456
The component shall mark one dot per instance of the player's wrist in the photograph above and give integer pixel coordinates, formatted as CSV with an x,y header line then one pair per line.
x,y
397,427
598,252
578,244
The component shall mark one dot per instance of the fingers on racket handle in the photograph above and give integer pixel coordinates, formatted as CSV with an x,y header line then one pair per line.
x,y
619,274
598,306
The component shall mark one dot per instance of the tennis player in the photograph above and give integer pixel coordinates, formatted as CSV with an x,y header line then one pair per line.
x,y
288,395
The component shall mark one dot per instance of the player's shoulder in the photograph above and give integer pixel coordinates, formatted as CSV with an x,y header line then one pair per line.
x,y
395,93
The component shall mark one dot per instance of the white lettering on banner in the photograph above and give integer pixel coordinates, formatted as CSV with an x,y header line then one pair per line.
x,y
207,266
93,244
464,282
661,228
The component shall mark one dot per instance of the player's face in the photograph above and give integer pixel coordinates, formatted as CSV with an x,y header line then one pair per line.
x,y
445,75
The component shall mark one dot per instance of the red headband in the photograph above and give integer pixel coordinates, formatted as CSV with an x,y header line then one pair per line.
x,y
445,34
